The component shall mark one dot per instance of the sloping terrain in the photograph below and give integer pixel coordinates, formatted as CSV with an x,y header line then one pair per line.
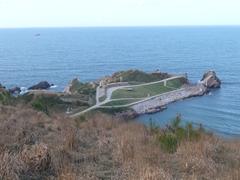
x,y
36,146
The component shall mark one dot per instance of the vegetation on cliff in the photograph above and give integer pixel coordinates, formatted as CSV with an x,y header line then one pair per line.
x,y
4,97
37,146
78,87
136,77
38,140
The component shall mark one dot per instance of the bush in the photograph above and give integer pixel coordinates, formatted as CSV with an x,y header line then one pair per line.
x,y
174,134
83,88
5,97
168,142
39,105
47,103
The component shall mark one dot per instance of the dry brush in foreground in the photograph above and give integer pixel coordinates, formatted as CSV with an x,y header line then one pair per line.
x,y
35,146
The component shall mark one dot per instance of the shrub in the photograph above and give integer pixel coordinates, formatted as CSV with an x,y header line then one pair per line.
x,y
39,105
168,142
174,134
47,103
82,88
5,97
192,134
175,124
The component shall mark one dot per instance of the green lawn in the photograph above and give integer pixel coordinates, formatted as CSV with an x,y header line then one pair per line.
x,y
175,83
121,102
141,91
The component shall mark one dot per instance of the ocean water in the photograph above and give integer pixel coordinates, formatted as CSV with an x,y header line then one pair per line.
x,y
60,54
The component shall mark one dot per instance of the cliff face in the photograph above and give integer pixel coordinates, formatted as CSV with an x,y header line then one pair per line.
x,y
70,88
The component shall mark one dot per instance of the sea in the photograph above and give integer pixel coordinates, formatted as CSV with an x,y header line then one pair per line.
x,y
57,55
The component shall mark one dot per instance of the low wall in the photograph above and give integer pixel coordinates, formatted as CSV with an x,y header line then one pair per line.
x,y
166,98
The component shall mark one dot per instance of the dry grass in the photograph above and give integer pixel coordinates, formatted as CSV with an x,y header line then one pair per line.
x,y
35,146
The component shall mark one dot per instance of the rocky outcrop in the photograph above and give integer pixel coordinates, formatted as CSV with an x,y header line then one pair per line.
x,y
15,90
40,86
69,89
210,80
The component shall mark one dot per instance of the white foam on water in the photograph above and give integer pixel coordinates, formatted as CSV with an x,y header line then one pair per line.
x,y
53,87
24,90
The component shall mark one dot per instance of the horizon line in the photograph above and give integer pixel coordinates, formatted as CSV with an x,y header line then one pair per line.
x,y
120,26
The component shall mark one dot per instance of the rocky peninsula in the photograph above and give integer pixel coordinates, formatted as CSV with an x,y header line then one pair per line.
x,y
125,93
159,102
133,96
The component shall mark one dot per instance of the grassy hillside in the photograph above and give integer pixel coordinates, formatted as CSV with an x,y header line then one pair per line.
x,y
37,146
137,77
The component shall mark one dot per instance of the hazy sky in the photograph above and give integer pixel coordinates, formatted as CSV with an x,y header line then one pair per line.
x,y
52,13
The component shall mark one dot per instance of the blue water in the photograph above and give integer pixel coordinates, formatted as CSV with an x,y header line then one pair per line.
x,y
59,55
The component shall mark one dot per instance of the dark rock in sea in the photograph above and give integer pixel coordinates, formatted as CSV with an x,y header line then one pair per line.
x,y
15,90
40,86
210,80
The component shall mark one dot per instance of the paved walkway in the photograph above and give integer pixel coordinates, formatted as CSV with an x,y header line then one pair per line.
x,y
110,90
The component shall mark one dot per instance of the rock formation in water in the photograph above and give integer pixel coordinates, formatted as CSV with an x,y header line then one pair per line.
x,y
15,90
210,80
40,86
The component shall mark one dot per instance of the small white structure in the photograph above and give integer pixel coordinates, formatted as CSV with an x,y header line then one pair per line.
x,y
121,78
165,83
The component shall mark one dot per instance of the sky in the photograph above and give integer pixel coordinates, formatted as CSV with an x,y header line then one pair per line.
x,y
78,13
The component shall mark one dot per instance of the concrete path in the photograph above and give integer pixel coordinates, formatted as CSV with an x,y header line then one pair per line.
x,y
110,90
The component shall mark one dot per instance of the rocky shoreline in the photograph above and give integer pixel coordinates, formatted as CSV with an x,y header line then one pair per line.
x,y
83,93
159,103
